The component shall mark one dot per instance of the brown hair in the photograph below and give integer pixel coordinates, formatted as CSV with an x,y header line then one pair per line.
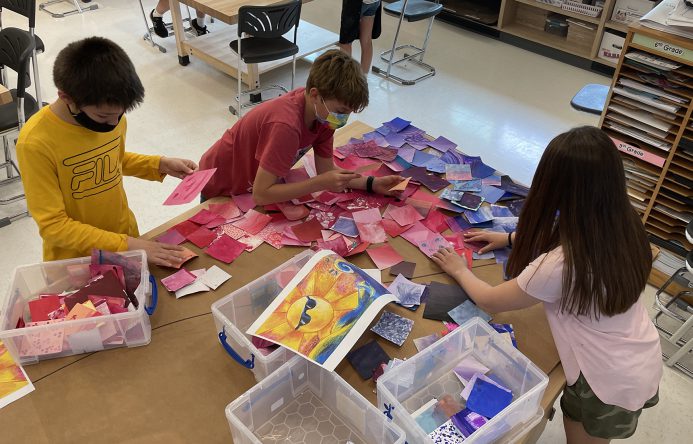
x,y
338,76
578,201
96,71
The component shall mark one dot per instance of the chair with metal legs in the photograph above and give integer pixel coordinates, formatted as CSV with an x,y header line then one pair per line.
x,y
264,28
16,48
414,11
149,34
27,8
680,310
79,9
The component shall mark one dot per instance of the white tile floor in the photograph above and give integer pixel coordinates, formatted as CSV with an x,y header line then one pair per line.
x,y
494,100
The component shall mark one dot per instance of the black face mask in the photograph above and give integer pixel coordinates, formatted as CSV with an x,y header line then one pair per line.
x,y
90,124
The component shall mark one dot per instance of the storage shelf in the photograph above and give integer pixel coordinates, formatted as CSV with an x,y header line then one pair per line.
x,y
616,25
547,7
547,39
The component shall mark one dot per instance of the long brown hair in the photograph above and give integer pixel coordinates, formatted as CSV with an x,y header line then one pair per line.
x,y
578,201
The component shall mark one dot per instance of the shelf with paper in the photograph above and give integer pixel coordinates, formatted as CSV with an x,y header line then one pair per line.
x,y
676,88
647,157
672,118
652,127
672,204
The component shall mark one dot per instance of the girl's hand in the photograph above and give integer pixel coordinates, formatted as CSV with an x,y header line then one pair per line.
x,y
177,167
494,239
449,261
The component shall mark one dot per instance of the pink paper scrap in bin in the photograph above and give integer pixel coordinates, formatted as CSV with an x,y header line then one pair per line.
x,y
190,187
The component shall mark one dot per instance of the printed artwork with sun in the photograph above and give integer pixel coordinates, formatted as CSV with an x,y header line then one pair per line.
x,y
315,316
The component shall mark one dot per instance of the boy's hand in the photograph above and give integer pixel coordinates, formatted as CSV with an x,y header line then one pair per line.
x,y
157,253
382,185
177,167
495,240
337,180
449,261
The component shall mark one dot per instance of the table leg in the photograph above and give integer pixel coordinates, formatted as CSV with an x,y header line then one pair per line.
x,y
179,32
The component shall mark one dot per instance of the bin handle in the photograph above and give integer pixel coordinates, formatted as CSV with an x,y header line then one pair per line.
x,y
250,363
155,296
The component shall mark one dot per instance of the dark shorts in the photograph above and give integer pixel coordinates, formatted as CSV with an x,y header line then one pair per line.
x,y
369,10
600,420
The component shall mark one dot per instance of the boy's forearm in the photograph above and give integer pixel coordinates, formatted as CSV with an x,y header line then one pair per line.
x,y
283,192
358,184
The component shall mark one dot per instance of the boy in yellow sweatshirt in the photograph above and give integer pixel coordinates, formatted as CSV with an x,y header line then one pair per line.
x,y
72,157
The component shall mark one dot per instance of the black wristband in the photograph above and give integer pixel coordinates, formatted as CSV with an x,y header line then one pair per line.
x,y
369,184
510,239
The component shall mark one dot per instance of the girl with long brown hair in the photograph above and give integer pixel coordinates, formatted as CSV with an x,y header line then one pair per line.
x,y
581,249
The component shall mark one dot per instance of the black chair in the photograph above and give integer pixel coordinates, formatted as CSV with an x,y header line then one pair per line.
x,y
26,8
264,27
16,48
414,11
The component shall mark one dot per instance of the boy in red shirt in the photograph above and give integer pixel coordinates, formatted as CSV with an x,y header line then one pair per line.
x,y
262,147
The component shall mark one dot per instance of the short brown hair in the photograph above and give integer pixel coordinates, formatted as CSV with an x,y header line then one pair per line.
x,y
96,71
338,76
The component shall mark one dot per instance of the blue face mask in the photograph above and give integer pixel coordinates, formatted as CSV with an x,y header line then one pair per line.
x,y
333,120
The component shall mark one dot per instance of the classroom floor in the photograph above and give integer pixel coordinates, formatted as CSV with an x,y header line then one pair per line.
x,y
492,99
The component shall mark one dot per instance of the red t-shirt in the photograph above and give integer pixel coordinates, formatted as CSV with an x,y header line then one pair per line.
x,y
273,135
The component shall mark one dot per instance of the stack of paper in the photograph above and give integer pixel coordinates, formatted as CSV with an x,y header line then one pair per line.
x,y
670,16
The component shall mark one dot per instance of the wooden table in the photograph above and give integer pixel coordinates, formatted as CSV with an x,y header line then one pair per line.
x,y
213,48
175,389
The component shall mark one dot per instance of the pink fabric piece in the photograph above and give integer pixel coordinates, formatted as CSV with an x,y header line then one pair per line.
x,y
244,202
225,249
253,222
417,234
188,189
384,256
405,215
372,232
620,356
178,280
338,245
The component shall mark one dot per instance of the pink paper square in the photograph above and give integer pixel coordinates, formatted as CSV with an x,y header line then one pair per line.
x,y
372,232
293,212
384,256
251,242
190,187
178,280
308,231
225,249
227,210
202,237
366,216
244,202
172,236
203,217
417,234
253,222
405,215
231,231
393,229
432,244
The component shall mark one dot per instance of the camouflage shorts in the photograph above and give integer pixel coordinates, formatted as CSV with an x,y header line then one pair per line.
x,y
600,420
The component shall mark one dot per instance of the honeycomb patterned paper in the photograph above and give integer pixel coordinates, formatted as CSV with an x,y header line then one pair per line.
x,y
307,420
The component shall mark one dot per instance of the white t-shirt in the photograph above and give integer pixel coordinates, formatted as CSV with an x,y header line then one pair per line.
x,y
620,356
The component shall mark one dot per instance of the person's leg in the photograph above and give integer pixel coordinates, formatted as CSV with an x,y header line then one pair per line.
x,y
575,433
346,47
157,18
198,23
366,41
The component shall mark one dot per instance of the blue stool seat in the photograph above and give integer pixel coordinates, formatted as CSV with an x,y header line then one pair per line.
x,y
591,98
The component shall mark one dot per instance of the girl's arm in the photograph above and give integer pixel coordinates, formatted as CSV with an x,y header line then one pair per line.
x,y
493,299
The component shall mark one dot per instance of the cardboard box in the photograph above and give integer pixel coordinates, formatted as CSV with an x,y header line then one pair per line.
x,y
611,47
629,11
5,96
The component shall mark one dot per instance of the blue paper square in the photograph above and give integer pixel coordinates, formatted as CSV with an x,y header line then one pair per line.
x,y
397,124
487,399
466,311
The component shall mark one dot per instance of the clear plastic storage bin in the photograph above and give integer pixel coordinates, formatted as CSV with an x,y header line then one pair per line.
x,y
129,329
428,374
233,314
304,403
